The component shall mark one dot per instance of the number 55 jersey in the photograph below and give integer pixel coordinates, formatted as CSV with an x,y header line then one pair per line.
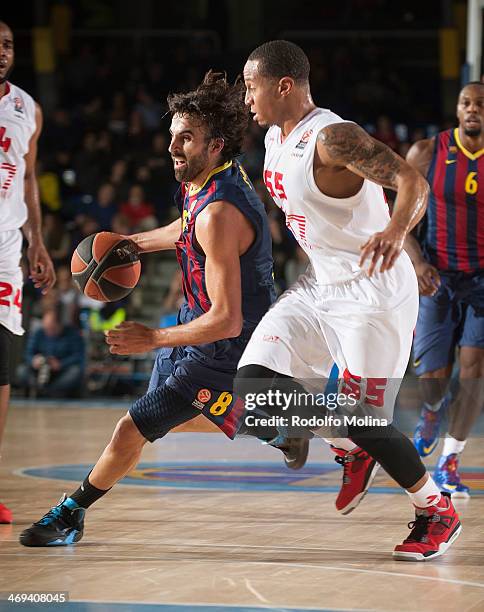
x,y
17,125
330,230
334,315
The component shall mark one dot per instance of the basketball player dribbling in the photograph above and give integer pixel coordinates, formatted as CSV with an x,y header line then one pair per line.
x,y
326,175
20,127
222,241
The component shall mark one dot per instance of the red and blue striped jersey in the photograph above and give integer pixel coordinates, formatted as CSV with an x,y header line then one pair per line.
x,y
228,183
454,235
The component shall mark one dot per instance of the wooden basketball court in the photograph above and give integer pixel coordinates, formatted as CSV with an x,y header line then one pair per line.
x,y
206,524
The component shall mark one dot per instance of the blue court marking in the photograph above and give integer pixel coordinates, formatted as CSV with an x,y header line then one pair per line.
x,y
87,606
237,476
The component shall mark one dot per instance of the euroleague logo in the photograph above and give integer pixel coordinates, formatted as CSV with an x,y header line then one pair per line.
x,y
18,105
204,396
304,139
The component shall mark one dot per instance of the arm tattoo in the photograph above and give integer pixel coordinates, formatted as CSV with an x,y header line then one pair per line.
x,y
352,146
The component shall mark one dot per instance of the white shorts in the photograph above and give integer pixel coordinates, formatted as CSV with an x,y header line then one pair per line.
x,y
364,326
11,281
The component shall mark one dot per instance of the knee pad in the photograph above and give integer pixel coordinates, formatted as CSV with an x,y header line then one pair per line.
x,y
155,413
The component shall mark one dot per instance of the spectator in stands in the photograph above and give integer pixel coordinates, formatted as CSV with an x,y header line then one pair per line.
x,y
55,359
56,239
49,187
104,207
118,115
148,110
386,133
88,164
140,214
68,297
120,225
119,180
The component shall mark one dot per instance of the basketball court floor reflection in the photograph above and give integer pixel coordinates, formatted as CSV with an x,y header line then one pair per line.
x,y
207,525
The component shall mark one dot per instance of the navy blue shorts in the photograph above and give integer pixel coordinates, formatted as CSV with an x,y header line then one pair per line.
x,y
454,316
188,381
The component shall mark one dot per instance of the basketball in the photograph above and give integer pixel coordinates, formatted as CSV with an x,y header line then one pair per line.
x,y
106,266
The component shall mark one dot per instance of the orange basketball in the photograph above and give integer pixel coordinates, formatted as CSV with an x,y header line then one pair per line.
x,y
106,266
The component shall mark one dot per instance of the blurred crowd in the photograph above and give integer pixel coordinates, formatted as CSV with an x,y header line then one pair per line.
x,y
103,159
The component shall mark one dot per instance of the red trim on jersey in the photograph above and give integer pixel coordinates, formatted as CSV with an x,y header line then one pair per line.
x,y
460,204
441,206
180,255
196,277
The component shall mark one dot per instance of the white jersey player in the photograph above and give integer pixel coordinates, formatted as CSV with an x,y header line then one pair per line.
x,y
327,175
20,126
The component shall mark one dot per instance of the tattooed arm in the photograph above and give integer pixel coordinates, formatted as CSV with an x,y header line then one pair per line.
x,y
346,145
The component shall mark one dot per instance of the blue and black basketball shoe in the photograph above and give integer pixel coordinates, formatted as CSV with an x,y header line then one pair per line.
x,y
447,477
62,525
426,435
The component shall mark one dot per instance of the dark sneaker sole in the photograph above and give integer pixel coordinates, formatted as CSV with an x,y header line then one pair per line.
x,y
30,539
302,451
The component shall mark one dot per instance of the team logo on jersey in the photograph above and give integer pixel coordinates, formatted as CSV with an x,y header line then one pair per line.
x,y
304,139
18,105
452,149
204,395
185,220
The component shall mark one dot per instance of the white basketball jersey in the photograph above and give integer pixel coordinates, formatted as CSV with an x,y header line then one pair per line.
x,y
17,124
330,230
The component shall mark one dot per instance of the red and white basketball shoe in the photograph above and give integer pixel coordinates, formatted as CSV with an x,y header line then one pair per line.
x,y
5,515
434,530
359,470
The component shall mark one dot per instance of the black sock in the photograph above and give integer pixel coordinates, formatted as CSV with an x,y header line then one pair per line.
x,y
87,494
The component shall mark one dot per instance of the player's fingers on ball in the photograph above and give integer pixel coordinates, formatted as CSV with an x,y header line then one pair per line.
x,y
124,325
112,338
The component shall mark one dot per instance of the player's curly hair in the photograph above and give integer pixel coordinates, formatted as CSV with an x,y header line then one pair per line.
x,y
220,107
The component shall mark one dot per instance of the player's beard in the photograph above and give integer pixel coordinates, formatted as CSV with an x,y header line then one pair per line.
x,y
192,169
473,133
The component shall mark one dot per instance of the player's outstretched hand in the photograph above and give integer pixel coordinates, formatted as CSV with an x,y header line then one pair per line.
x,y
41,267
129,338
387,244
428,278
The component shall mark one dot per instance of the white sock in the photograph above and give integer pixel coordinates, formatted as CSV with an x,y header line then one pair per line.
x,y
428,495
434,407
343,443
451,445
